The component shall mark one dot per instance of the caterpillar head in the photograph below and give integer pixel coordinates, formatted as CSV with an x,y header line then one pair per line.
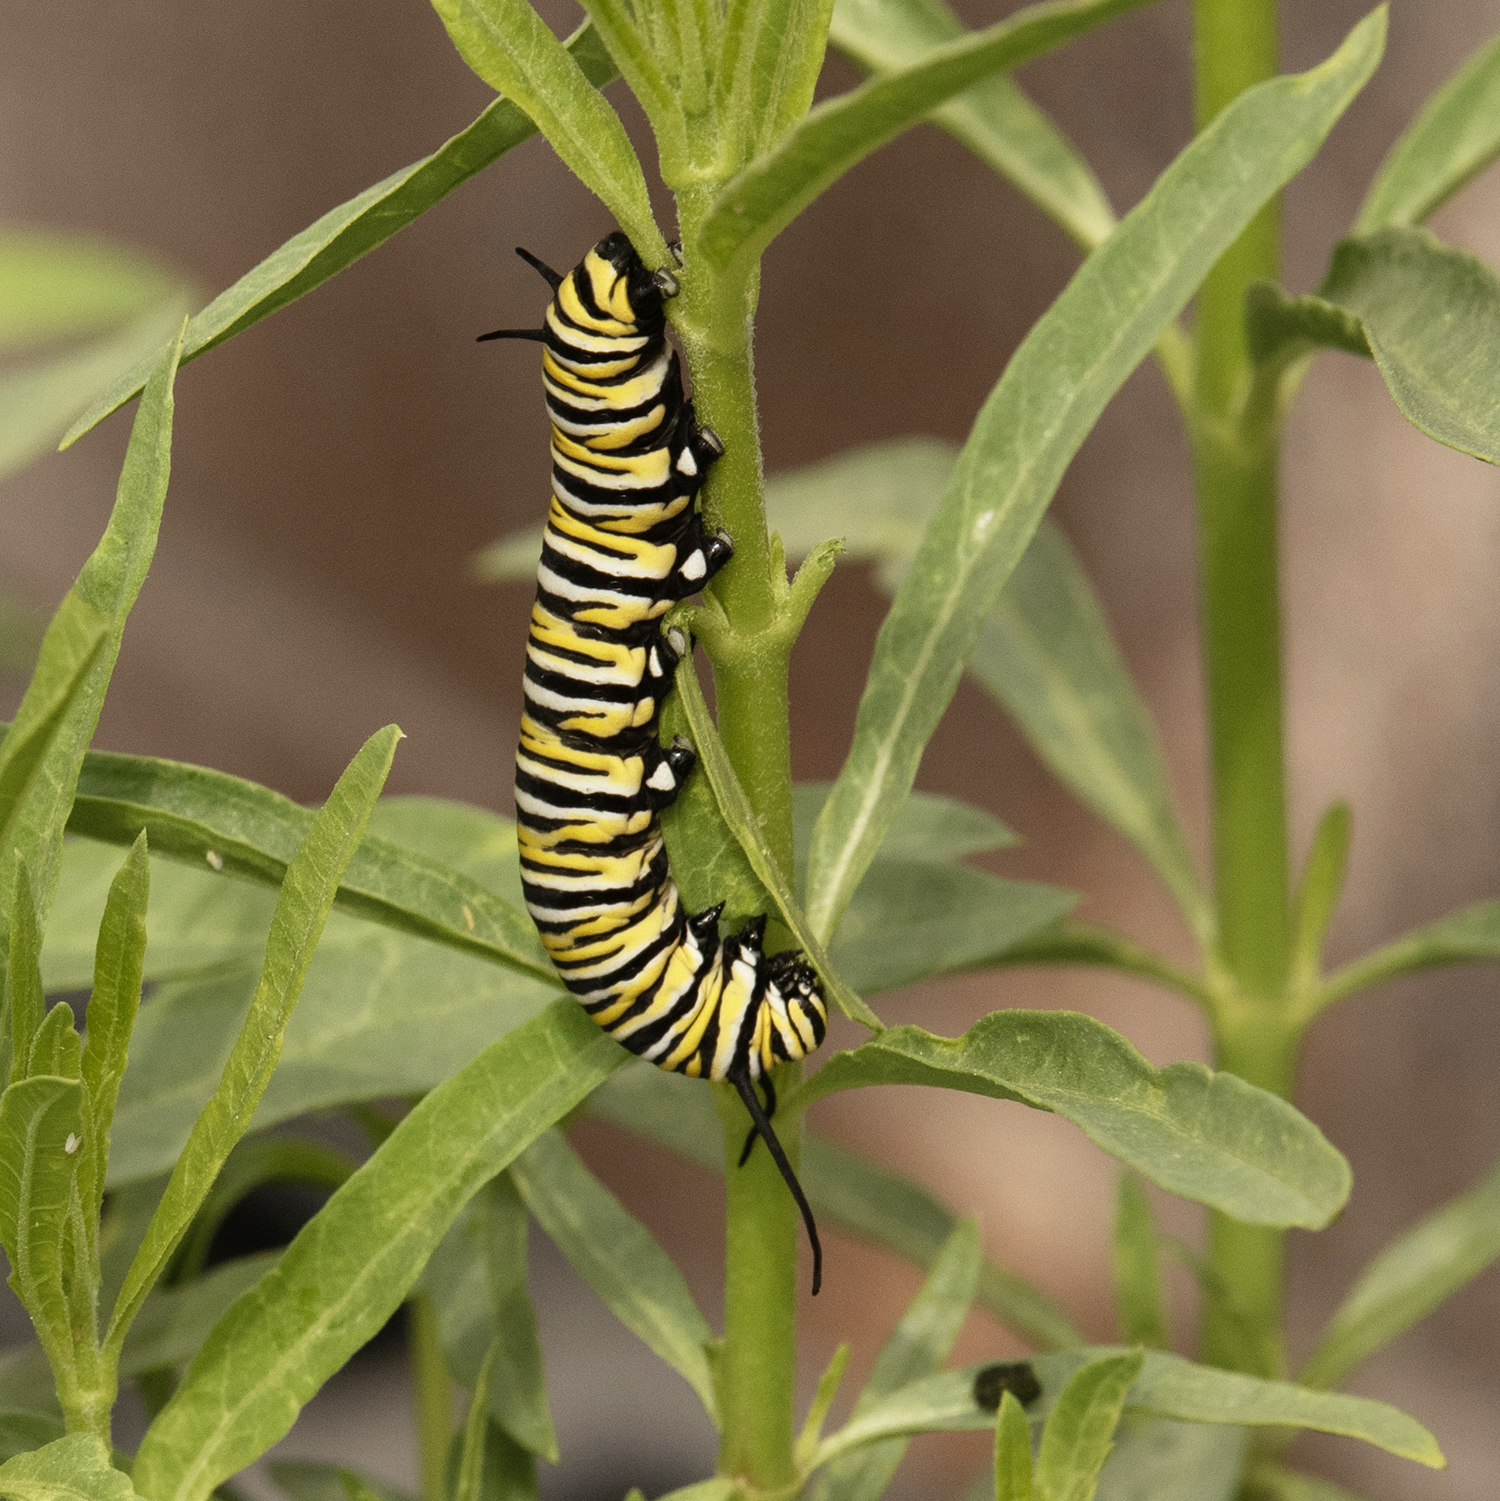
x,y
622,284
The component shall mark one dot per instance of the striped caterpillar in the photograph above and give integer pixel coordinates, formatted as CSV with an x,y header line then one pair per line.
x,y
623,544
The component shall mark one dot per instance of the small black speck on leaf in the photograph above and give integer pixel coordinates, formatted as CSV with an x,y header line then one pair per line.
x,y
1016,1377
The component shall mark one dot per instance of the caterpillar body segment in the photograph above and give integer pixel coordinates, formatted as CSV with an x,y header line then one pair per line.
x,y
622,545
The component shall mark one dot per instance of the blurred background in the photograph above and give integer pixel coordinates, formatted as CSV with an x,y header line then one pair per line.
x,y
336,467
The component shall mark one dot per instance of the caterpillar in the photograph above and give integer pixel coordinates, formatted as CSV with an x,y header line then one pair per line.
x,y
622,545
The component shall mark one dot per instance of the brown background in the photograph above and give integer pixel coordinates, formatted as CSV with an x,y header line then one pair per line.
x,y
336,467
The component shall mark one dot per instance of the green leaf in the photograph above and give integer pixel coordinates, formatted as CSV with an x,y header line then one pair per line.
x,y
1168,1386
1415,1274
740,818
717,1489
1431,315
306,899
211,820
1155,1459
871,1203
618,1257
354,1262
993,118
1279,327
113,1003
471,1459
1456,135
927,826
628,46
57,715
507,1472
760,201
476,1280
174,1321
1318,893
38,401
75,1468
1272,1483
310,1480
353,229
21,1432
917,1347
62,286
1080,1429
817,1412
1207,1136
1469,936
509,46
1139,1300
24,989
39,1117
1046,652
1059,381
1013,1469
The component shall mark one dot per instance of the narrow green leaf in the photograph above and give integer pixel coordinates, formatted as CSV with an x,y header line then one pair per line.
x,y
618,1257
355,1487
1272,1483
476,1280
1140,1303
38,401
1055,387
1168,1386
507,1472
776,67
1087,943
1414,1275
718,1489
310,1480
1155,1459
174,1321
1279,327
104,592
917,1347
353,1263
1047,653
1080,1429
993,118
758,203
1431,315
306,899
1468,936
63,286
39,1118
509,46
471,1460
353,229
1207,1136
113,1003
817,1413
740,818
1454,137
928,826
24,977
1318,892
75,1468
1013,1469
214,821
629,48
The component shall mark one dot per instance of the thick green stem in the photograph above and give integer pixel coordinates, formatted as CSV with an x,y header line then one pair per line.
x,y
1259,1045
434,1396
757,1368
1235,470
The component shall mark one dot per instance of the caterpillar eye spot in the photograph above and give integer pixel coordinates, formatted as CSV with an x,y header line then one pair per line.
x,y
1018,1377
588,824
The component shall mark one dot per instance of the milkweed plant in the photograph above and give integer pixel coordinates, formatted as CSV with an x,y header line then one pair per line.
x,y
114,1179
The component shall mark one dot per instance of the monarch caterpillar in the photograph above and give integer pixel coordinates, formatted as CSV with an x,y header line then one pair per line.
x,y
623,544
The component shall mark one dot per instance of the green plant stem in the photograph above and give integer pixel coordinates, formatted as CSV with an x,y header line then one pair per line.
x,y
434,1395
1235,453
757,1368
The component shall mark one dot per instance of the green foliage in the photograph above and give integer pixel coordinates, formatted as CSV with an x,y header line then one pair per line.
x,y
1057,383
1210,1137
75,1468
1079,1431
1139,1298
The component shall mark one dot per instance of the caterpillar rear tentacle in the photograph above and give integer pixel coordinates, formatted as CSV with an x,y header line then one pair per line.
x,y
623,544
